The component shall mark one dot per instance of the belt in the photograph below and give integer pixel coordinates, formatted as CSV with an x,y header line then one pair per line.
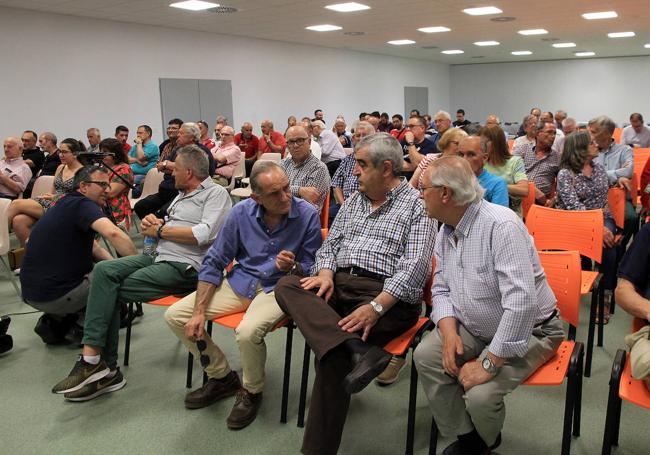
x,y
358,271
548,319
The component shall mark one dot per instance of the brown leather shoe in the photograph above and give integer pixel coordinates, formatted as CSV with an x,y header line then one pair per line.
x,y
212,391
245,409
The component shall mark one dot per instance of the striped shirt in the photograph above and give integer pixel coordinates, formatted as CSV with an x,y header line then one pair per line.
x,y
311,172
490,279
541,172
343,177
395,240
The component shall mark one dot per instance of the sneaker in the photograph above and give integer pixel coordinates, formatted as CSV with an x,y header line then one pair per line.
x,y
213,391
97,388
82,373
390,374
245,409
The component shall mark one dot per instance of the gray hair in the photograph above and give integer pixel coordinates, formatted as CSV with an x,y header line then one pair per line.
x,y
444,114
92,130
51,137
367,126
527,118
455,173
262,167
568,122
195,159
603,121
383,147
193,129
318,123
542,124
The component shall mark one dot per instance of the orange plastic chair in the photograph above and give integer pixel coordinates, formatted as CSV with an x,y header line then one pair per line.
x,y
616,202
324,232
617,135
528,201
324,214
641,156
580,230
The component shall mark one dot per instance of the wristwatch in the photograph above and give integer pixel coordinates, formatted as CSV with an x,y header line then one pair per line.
x,y
489,366
160,230
379,309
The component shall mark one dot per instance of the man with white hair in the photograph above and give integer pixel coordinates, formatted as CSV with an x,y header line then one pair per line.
x,y
569,125
227,156
530,128
94,138
495,314
14,172
331,149
442,120
344,137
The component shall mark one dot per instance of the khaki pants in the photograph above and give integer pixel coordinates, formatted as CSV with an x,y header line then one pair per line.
x,y
262,314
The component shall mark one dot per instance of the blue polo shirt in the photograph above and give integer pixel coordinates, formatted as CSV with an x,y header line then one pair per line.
x,y
496,190
150,151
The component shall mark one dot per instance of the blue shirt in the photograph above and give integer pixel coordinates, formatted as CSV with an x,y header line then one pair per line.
x,y
245,238
150,152
496,190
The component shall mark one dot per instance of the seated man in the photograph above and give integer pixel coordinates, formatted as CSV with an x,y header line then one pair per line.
x,y
636,134
271,141
633,295
308,176
331,149
495,188
248,144
495,314
269,235
55,276
416,145
226,156
366,287
143,156
185,233
14,172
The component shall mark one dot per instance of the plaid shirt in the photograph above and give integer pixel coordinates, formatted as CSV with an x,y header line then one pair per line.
x,y
311,172
490,279
343,177
395,240
541,172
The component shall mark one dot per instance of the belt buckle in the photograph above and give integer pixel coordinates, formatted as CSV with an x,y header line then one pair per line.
x,y
352,272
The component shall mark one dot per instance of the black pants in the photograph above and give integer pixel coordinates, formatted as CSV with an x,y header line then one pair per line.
x,y
154,202
318,323
332,166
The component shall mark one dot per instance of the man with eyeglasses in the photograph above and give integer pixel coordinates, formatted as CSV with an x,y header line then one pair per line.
x,y
267,236
308,176
416,145
185,231
226,156
55,275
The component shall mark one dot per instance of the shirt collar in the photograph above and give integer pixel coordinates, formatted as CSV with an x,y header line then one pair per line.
x,y
257,210
467,219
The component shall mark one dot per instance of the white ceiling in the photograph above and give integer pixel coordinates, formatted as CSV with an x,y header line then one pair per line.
x,y
285,20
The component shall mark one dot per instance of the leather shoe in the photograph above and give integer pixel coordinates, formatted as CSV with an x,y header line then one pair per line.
x,y
245,409
212,391
369,366
456,448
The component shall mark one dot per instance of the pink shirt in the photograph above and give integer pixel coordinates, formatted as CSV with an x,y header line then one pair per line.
x,y
18,171
232,154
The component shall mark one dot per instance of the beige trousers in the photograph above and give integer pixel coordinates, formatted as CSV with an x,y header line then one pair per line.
x,y
262,314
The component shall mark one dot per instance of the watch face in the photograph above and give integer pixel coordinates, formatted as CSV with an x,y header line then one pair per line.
x,y
487,365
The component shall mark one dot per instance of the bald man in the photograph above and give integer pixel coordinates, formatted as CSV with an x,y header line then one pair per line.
x,y
227,156
248,143
271,141
14,172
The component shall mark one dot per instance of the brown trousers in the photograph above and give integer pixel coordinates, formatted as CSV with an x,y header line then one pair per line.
x,y
319,325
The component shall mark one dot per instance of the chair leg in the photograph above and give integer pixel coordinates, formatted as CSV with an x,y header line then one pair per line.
x,y
302,403
612,304
569,407
591,329
433,437
410,422
127,342
190,365
205,375
11,276
613,413
287,373
601,310
577,407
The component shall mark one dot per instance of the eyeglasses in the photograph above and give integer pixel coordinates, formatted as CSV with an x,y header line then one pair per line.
x,y
104,185
416,125
296,142
226,134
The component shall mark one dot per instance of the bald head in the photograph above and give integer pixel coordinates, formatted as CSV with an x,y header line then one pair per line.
x,y
13,147
492,120
267,126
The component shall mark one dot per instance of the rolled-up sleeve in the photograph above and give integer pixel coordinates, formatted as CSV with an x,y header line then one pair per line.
x,y
215,208
222,251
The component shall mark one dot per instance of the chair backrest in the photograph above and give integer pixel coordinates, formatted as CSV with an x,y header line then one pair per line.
x,y
617,135
151,182
528,201
324,213
271,157
511,144
554,229
43,184
4,227
323,232
239,171
641,156
616,202
562,269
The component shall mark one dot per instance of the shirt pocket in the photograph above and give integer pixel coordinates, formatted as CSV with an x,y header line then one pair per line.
x,y
482,284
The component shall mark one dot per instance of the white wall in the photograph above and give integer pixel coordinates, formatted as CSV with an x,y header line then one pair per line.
x,y
584,88
64,74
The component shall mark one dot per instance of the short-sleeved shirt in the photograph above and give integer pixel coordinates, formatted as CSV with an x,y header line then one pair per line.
x,y
277,139
51,269
635,266
169,182
542,171
151,152
250,144
18,171
512,171
496,190
232,153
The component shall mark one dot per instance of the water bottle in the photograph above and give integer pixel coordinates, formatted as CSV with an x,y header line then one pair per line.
x,y
150,245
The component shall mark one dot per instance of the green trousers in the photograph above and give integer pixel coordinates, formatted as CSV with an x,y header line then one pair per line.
x,y
128,279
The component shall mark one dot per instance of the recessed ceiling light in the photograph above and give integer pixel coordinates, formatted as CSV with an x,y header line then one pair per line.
x,y
194,5
621,34
560,45
434,29
323,28
584,54
647,46
533,31
521,52
487,43
453,52
401,42
347,7
482,11
601,15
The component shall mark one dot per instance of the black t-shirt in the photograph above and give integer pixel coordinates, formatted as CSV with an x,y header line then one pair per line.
x,y
51,163
59,251
635,266
463,123
37,157
424,148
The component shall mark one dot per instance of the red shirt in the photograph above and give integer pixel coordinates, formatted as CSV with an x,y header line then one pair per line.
x,y
276,138
249,145
127,147
645,181
209,143
399,134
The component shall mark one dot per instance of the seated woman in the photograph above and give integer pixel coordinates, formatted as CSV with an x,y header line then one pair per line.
x,y
502,164
583,185
23,213
448,145
118,194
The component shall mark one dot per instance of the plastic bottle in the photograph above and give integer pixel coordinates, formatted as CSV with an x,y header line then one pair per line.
x,y
150,245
